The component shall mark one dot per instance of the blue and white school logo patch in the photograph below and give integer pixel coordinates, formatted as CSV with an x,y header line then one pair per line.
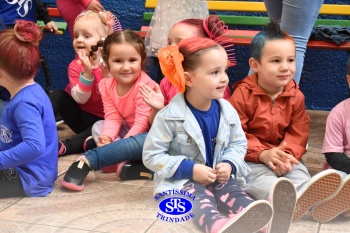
x,y
175,205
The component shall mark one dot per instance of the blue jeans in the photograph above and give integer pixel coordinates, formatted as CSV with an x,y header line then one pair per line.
x,y
297,19
116,152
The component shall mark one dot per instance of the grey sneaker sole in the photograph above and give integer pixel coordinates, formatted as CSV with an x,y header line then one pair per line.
x,y
283,200
336,205
320,187
251,219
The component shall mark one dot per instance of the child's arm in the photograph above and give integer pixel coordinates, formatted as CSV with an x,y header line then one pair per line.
x,y
154,98
113,119
28,119
297,133
254,144
142,110
43,13
93,5
339,161
79,86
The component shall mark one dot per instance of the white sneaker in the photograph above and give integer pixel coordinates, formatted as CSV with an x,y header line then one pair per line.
x,y
251,219
335,205
283,197
319,188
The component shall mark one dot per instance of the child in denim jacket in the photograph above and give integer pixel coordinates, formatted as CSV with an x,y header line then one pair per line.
x,y
196,143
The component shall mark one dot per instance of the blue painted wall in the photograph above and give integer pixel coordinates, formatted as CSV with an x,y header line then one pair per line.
x,y
323,79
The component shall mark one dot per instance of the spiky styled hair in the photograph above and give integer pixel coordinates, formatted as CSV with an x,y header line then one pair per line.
x,y
271,31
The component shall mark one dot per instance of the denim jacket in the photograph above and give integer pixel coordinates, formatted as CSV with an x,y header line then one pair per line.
x,y
175,135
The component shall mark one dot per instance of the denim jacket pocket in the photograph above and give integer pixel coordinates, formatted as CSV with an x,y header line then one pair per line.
x,y
187,146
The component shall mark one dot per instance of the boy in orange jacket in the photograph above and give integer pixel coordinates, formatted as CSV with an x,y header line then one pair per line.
x,y
273,116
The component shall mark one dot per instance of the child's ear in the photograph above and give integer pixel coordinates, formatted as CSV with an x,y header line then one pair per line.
x,y
188,79
254,64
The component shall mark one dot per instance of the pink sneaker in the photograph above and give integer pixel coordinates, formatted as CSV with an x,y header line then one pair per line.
x,y
253,218
62,149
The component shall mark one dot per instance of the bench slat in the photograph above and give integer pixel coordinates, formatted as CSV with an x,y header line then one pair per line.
x,y
261,21
244,37
62,26
326,9
53,12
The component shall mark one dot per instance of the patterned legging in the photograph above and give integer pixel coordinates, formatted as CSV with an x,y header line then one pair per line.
x,y
216,201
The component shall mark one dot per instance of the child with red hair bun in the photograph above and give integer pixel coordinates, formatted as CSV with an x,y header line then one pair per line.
x,y
196,143
29,136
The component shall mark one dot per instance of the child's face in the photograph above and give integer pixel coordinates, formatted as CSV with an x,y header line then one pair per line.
x,y
277,65
86,33
209,80
124,63
180,32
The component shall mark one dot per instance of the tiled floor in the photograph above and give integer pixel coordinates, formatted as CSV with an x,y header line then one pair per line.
x,y
109,205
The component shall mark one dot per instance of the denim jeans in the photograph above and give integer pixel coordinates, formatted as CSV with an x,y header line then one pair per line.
x,y
118,151
297,19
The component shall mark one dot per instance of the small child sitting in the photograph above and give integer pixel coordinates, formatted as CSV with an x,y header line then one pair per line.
x,y
273,116
336,148
28,139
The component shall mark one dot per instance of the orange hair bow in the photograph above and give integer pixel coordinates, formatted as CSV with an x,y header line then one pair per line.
x,y
170,60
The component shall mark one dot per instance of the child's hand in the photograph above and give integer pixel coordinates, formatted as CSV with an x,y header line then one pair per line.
x,y
203,175
103,140
223,172
85,61
52,26
95,6
154,98
277,157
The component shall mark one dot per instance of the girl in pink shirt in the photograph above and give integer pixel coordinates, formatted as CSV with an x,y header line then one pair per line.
x,y
126,114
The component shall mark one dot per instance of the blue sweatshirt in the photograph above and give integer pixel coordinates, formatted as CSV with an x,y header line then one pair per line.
x,y
28,140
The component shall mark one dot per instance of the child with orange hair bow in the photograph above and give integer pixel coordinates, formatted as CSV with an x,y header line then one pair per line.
x,y
197,144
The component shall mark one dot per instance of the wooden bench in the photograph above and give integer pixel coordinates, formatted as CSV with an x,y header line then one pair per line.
x,y
244,37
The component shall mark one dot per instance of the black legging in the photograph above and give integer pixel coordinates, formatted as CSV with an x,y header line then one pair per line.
x,y
78,120
10,184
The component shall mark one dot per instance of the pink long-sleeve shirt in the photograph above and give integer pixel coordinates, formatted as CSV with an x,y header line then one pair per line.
x,y
130,107
85,92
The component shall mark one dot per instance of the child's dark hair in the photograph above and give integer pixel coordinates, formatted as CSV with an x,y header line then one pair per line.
x,y
271,31
122,37
19,52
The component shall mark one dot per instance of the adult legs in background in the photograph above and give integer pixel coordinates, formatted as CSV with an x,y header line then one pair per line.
x,y
10,184
297,19
79,121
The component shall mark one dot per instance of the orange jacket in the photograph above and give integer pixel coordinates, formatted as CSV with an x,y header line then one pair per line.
x,y
268,123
